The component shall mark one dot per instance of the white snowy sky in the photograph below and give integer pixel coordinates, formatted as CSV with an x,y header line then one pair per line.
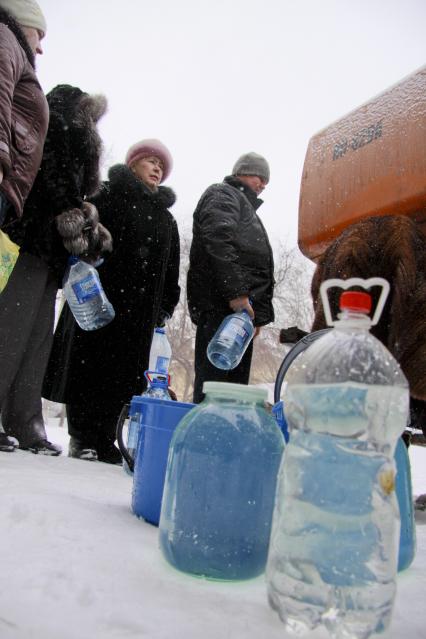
x,y
216,78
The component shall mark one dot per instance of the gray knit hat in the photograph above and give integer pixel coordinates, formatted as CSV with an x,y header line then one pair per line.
x,y
27,13
252,164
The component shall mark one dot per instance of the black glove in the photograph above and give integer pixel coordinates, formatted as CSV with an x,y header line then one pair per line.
x,y
82,233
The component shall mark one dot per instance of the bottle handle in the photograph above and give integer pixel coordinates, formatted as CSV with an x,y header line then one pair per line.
x,y
354,281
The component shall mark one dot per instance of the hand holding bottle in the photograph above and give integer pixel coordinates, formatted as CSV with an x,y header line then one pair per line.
x,y
242,303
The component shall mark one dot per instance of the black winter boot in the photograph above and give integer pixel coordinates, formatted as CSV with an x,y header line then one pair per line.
x,y
8,444
81,450
108,452
44,447
34,438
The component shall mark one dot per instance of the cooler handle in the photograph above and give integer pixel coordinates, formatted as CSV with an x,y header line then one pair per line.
x,y
119,433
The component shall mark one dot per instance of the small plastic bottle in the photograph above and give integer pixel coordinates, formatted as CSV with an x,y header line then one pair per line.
x,y
160,353
220,485
157,387
230,342
85,295
334,543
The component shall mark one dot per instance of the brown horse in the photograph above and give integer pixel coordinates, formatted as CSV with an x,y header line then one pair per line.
x,y
392,247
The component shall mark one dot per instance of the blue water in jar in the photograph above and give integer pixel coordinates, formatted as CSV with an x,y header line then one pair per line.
x,y
219,493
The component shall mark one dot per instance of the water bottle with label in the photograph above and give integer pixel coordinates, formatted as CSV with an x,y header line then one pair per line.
x,y
160,353
334,542
85,295
230,342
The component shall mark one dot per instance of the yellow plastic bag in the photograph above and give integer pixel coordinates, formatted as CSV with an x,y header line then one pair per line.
x,y
9,252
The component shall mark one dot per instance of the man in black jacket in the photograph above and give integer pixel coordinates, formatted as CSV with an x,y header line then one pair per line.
x,y
231,264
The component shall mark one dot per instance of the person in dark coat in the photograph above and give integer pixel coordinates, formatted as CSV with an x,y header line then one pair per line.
x,y
56,221
231,264
94,373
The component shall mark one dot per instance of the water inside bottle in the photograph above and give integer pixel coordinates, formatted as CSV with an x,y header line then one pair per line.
x,y
334,549
216,520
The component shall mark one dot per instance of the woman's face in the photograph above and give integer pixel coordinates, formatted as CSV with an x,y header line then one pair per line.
x,y
34,38
149,170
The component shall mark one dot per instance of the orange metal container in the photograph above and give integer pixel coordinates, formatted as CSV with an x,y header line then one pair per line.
x,y
371,162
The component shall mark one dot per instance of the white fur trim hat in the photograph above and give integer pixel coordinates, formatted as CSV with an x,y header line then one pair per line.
x,y
147,148
26,12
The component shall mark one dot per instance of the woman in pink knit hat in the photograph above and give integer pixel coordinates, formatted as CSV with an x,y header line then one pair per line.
x,y
94,373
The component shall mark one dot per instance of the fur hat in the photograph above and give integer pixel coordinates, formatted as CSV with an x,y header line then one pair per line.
x,y
26,12
252,164
148,148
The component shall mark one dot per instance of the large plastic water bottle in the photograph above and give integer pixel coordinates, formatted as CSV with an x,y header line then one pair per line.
x,y
85,295
160,353
230,342
220,485
334,544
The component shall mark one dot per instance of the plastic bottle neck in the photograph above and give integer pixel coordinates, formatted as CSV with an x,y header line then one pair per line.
x,y
349,319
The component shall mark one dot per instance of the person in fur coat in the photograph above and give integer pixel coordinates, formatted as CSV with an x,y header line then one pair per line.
x,y
56,221
94,373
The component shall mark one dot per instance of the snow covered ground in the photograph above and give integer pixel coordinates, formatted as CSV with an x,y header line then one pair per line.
x,y
76,564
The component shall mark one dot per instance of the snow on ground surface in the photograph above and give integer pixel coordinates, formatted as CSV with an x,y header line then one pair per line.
x,y
76,564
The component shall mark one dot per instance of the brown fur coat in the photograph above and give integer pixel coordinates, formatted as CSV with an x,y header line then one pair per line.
x,y
392,247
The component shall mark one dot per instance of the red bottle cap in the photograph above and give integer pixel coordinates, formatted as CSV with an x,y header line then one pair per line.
x,y
355,301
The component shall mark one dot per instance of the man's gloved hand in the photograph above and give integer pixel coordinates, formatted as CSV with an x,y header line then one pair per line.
x,y
82,233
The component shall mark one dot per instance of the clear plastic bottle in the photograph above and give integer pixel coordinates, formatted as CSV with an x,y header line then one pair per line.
x,y
220,485
157,387
230,342
334,542
85,295
160,353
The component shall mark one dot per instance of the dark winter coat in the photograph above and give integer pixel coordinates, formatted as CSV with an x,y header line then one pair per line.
x,y
23,114
140,279
69,173
230,253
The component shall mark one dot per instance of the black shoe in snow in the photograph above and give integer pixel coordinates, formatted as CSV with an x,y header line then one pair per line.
x,y
43,447
8,444
109,454
420,503
77,450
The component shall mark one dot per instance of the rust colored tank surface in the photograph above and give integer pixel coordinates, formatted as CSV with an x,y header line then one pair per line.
x,y
371,162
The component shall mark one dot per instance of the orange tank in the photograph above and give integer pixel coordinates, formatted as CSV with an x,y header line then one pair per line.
x,y
371,162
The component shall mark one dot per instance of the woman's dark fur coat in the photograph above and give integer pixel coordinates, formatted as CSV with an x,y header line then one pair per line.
x,y
69,173
140,279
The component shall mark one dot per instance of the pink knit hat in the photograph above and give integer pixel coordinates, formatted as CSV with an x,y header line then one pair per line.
x,y
147,148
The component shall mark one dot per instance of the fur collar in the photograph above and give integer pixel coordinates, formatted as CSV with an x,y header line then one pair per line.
x,y
121,177
6,18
